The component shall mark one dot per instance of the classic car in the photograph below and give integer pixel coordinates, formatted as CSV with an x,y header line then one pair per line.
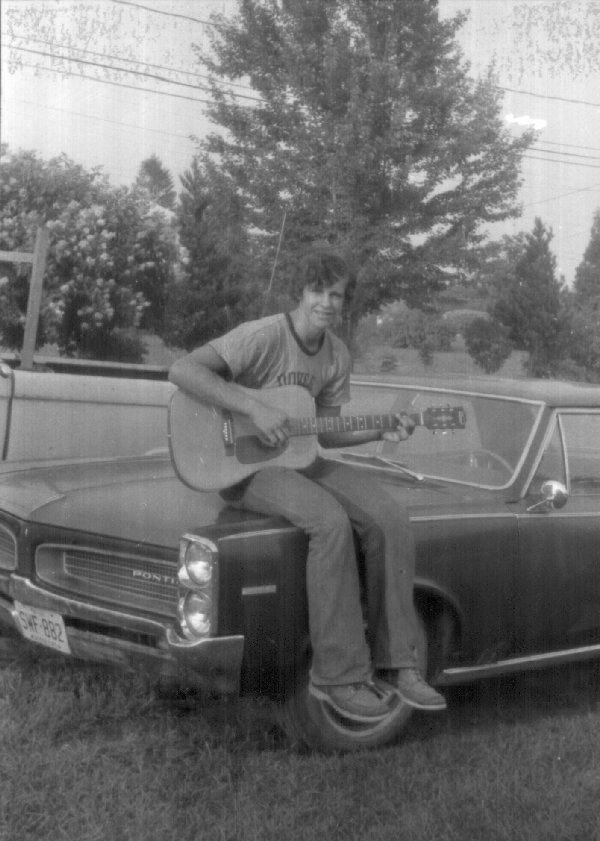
x,y
117,560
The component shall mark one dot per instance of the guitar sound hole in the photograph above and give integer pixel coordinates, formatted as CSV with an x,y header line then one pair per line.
x,y
249,449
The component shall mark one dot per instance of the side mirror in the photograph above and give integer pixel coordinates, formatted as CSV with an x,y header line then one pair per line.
x,y
554,495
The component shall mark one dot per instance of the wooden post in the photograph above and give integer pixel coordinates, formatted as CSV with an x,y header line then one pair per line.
x,y
40,252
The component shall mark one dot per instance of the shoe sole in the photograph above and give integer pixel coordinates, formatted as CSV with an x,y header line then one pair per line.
x,y
437,707
363,719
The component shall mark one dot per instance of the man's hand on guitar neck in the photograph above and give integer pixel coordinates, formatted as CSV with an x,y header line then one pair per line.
x,y
404,430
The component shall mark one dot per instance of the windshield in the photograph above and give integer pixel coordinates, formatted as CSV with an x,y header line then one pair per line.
x,y
485,445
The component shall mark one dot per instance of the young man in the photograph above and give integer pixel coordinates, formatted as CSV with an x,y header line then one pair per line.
x,y
328,500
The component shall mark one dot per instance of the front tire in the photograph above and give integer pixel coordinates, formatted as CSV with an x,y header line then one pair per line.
x,y
313,724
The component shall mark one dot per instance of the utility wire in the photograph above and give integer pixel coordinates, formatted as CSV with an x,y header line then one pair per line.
x,y
118,84
131,72
161,12
204,76
564,163
103,119
571,145
565,154
562,195
129,60
549,96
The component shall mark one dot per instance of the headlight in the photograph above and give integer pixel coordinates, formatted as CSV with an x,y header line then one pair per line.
x,y
195,615
198,582
198,563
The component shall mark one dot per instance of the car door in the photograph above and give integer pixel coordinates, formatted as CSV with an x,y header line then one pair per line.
x,y
557,592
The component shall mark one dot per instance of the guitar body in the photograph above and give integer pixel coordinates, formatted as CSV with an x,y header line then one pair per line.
x,y
212,448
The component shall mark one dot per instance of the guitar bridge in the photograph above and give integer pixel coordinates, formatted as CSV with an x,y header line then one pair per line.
x,y
227,433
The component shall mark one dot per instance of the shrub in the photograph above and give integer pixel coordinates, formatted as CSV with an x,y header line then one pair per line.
x,y
488,344
401,327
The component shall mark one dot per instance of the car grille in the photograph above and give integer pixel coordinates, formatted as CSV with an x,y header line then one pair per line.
x,y
8,549
123,580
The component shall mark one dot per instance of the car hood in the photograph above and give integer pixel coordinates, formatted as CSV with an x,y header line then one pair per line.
x,y
138,499
141,500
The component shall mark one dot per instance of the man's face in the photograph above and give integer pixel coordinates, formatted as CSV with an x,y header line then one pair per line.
x,y
322,308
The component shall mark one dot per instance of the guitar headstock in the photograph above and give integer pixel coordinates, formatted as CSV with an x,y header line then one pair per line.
x,y
444,417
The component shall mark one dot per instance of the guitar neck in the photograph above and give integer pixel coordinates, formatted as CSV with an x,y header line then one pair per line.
x,y
346,423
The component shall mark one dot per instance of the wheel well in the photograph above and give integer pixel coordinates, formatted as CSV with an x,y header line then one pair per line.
x,y
442,624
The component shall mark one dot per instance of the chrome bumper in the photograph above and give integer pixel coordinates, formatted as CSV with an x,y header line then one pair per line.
x,y
212,664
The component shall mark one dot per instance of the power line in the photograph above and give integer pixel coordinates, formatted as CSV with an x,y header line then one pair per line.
x,y
103,119
563,163
246,87
116,84
125,70
129,60
562,195
565,154
161,12
549,96
571,145
204,76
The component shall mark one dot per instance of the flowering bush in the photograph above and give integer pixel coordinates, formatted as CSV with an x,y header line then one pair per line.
x,y
111,254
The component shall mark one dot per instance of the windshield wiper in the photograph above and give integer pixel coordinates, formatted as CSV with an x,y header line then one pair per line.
x,y
388,462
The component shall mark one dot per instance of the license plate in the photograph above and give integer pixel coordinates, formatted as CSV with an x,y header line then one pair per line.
x,y
43,626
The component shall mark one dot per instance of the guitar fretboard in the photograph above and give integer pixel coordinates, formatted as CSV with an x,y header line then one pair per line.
x,y
341,423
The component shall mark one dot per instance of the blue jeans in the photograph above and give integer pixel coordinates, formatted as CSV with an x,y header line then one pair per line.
x,y
327,501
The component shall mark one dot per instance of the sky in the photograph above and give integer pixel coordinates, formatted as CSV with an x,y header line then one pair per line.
x,y
544,53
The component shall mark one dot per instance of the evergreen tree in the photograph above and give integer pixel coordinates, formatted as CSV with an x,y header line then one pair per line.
x,y
368,132
157,180
587,275
214,291
530,304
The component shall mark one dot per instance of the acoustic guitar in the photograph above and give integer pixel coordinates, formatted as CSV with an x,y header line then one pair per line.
x,y
212,448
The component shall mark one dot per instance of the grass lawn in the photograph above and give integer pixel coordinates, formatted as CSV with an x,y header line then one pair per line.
x,y
88,754
457,361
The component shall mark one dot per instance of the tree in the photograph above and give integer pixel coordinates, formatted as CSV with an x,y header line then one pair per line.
x,y
587,274
158,182
106,247
214,290
530,304
532,310
367,131
582,305
487,343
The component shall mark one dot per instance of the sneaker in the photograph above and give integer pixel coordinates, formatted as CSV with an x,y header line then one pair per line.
x,y
358,701
413,690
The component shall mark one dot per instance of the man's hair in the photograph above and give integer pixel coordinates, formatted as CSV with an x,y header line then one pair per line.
x,y
321,267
